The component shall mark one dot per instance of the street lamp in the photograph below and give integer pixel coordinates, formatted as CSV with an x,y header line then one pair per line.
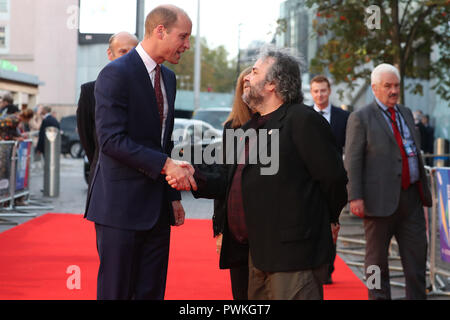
x,y
239,50
197,62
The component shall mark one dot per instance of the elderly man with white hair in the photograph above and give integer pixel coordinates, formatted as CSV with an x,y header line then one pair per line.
x,y
387,185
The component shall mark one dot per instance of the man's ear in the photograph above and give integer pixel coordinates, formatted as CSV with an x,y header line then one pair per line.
x,y
374,87
270,86
159,31
110,54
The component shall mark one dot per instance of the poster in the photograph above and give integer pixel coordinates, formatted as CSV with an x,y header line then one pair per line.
x,y
23,165
443,194
6,149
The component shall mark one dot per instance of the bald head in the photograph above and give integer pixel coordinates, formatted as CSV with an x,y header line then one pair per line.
x,y
120,44
165,15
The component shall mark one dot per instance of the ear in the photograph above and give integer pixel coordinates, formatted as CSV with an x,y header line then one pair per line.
x,y
110,54
270,86
159,32
374,87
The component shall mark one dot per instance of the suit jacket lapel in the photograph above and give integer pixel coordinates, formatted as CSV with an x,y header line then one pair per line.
x,y
382,122
409,122
274,123
332,115
143,78
170,94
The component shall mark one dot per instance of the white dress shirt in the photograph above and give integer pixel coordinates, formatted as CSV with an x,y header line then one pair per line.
x,y
326,113
150,64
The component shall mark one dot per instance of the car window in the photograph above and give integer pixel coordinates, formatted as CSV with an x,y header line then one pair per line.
x,y
68,123
177,126
213,117
195,134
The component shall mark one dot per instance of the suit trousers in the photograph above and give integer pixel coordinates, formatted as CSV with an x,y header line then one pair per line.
x,y
239,282
133,264
296,285
407,225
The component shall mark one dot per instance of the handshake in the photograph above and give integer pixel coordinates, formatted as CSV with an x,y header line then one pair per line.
x,y
180,175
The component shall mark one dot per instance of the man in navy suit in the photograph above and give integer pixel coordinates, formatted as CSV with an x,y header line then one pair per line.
x,y
320,91
129,200
336,117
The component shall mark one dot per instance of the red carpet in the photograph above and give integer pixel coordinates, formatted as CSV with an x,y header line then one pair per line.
x,y
35,257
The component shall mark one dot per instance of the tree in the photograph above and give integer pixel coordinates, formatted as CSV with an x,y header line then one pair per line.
x,y
407,34
217,73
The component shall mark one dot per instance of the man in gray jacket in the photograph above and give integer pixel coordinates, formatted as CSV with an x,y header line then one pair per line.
x,y
387,183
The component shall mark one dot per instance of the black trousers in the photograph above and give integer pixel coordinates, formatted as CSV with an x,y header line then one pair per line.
x,y
239,282
407,224
333,258
133,264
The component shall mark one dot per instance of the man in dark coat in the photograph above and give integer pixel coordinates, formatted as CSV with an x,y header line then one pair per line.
x,y
119,44
337,118
282,208
6,106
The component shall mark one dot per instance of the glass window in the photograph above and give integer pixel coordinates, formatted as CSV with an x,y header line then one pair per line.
x,y
4,6
3,43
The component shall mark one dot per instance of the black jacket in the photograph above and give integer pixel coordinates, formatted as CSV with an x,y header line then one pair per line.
x,y
233,254
9,109
338,122
288,214
86,124
48,121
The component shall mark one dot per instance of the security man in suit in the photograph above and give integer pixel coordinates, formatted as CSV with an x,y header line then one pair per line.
x,y
320,91
119,44
387,184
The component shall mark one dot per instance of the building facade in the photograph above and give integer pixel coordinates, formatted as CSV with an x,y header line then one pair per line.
x,y
35,37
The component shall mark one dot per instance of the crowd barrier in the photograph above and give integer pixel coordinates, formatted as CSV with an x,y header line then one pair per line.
x,y
439,229
438,235
15,164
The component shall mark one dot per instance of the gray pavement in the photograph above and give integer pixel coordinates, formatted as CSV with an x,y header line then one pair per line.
x,y
73,191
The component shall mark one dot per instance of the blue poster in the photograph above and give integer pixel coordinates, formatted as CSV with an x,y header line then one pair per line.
x,y
443,194
23,164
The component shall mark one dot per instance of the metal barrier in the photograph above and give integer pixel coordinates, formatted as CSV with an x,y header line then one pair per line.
x,y
15,177
6,160
435,265
436,283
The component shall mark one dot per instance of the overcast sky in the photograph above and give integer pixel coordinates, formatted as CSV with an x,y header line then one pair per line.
x,y
220,19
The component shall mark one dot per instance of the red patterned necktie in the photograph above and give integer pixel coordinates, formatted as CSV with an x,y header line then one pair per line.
x,y
398,138
159,95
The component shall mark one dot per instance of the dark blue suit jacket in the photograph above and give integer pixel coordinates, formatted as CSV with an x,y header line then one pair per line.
x,y
338,122
127,189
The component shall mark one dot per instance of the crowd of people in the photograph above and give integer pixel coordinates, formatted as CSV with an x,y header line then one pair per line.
x,y
19,125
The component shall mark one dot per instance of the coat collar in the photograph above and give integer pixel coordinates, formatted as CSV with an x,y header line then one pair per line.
x,y
385,125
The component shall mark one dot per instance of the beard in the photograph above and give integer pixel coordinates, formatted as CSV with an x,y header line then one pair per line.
x,y
253,97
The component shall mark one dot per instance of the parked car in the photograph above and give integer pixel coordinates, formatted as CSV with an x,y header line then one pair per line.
x,y
70,140
214,116
193,131
190,133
